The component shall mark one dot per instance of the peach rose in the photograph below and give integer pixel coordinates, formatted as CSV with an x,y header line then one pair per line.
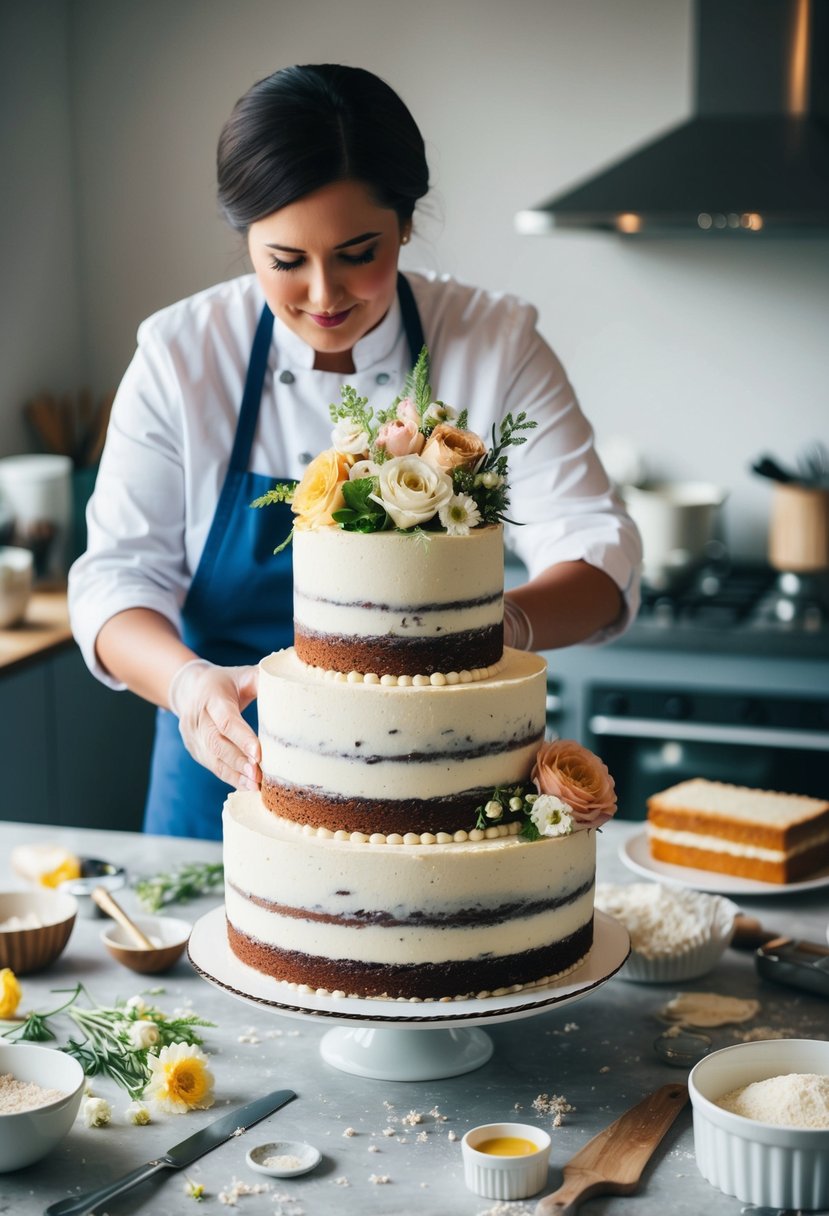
x,y
320,491
400,438
448,448
570,772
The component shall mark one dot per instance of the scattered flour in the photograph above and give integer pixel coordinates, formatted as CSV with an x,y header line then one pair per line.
x,y
555,1105
662,922
794,1100
708,1009
17,1096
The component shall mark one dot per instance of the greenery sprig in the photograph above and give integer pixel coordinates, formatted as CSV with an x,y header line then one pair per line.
x,y
507,803
180,884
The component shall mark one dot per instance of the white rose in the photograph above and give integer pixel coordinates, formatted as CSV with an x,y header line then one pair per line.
x,y
412,491
363,468
349,438
143,1034
97,1112
551,816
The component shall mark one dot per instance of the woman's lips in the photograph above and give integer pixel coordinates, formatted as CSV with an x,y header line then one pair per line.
x,y
329,320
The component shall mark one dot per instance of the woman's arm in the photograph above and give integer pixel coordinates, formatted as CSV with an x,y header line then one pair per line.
x,y
567,603
141,648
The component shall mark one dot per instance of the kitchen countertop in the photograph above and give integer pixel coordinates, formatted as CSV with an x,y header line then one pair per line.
x,y
596,1053
44,627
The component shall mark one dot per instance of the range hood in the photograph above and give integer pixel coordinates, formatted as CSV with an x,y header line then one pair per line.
x,y
754,158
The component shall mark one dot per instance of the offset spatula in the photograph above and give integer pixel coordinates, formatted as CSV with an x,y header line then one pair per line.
x,y
612,1162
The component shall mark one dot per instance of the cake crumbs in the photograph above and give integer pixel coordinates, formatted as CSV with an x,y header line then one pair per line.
x,y
421,1137
379,1179
341,1181
709,1009
234,1192
372,1148
451,1136
414,1117
555,1105
349,1131
507,1209
389,1131
764,1032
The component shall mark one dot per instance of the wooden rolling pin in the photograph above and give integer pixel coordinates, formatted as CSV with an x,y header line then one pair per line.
x,y
107,904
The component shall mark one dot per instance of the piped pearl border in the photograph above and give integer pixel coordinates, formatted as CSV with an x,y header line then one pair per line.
x,y
338,994
438,679
394,838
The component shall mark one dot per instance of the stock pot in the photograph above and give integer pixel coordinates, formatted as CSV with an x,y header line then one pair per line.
x,y
676,519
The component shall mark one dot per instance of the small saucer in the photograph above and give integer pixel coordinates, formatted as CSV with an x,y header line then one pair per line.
x,y
283,1158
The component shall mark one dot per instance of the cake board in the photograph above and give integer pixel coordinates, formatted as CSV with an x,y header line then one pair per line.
x,y
402,1040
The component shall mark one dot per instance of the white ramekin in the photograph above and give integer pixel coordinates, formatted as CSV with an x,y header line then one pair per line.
x,y
505,1177
760,1163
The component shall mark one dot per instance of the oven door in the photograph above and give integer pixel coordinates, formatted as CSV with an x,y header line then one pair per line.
x,y
651,739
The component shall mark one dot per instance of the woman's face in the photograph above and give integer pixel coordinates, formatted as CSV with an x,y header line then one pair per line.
x,y
328,267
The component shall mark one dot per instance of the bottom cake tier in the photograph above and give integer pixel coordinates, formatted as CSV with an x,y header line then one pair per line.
x,y
397,921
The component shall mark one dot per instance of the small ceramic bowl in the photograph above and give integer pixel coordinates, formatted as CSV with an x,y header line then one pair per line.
x,y
94,873
698,954
28,1135
496,1176
45,923
170,934
284,1158
760,1163
16,576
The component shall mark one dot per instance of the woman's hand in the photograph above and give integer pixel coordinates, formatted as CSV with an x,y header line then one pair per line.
x,y
208,701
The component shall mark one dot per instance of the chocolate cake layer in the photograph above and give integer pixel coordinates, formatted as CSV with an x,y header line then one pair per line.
x,y
368,815
407,980
398,656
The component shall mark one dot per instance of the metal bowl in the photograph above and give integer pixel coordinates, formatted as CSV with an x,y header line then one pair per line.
x,y
94,873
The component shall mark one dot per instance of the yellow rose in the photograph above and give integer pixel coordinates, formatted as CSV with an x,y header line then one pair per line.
x,y
447,448
10,993
320,493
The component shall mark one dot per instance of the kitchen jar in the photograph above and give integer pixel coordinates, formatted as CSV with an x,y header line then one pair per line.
x,y
799,529
38,490
676,520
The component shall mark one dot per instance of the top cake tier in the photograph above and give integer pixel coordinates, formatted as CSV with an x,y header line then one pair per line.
x,y
396,604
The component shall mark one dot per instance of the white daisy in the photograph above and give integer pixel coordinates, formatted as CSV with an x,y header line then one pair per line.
x,y
460,515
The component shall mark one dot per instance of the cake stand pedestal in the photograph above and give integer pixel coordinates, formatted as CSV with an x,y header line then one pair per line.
x,y
402,1040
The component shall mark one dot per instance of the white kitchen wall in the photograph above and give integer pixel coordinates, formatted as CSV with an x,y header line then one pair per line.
x,y
702,354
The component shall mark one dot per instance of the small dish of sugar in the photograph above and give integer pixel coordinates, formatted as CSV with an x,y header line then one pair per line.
x,y
284,1158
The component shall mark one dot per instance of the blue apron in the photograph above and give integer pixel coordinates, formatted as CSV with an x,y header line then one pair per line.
x,y
240,603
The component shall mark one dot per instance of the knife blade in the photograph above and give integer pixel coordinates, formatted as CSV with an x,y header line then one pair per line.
x,y
613,1161
180,1155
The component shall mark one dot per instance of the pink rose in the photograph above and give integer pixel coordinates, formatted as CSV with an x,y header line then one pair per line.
x,y
407,411
570,772
400,438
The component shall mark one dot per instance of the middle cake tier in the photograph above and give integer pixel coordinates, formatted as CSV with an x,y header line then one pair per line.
x,y
357,756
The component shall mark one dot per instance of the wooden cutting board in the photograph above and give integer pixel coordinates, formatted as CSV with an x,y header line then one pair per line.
x,y
613,1161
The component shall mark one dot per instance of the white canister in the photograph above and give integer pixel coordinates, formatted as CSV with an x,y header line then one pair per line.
x,y
676,520
38,488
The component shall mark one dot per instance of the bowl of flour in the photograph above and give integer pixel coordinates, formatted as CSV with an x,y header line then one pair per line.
x,y
761,1122
675,933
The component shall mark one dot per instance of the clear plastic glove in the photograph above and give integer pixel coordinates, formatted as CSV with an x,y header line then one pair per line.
x,y
208,701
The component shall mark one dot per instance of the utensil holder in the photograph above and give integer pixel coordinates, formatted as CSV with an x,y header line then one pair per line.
x,y
799,529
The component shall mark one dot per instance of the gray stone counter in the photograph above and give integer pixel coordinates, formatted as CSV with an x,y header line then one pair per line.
x,y
596,1054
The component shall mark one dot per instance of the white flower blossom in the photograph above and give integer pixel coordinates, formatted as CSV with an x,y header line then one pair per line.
x,y
460,515
363,468
437,412
138,1114
349,438
493,810
136,1004
489,480
143,1034
411,491
96,1112
551,816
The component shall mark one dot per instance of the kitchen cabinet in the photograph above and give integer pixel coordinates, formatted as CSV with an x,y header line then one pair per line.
x,y
72,752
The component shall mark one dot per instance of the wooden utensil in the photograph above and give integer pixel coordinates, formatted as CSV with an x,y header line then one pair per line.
x,y
613,1161
107,904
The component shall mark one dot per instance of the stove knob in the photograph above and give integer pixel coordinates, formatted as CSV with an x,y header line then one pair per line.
x,y
616,704
677,707
753,713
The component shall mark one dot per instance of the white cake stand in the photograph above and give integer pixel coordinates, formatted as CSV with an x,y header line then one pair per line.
x,y
386,1039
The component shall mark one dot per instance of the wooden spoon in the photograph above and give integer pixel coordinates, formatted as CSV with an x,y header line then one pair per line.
x,y
613,1161
107,904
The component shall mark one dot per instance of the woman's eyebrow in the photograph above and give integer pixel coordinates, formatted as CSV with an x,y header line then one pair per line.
x,y
354,240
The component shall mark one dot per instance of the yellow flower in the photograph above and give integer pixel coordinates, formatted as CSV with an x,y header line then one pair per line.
x,y
320,491
180,1080
10,993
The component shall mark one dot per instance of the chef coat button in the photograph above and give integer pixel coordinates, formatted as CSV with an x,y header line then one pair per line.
x,y
305,458
382,377
286,377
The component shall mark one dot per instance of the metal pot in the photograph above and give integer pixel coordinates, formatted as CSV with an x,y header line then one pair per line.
x,y
676,520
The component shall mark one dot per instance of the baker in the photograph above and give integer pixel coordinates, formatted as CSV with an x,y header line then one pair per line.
x,y
179,593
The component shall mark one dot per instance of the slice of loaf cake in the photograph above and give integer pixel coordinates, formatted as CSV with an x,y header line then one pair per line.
x,y
759,834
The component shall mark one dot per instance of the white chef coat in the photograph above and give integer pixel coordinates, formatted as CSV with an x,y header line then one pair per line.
x,y
174,419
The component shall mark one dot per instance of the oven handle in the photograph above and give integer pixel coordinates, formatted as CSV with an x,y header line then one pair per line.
x,y
646,728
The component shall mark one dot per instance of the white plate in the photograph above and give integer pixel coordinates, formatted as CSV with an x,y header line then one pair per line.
x,y
635,853
212,957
